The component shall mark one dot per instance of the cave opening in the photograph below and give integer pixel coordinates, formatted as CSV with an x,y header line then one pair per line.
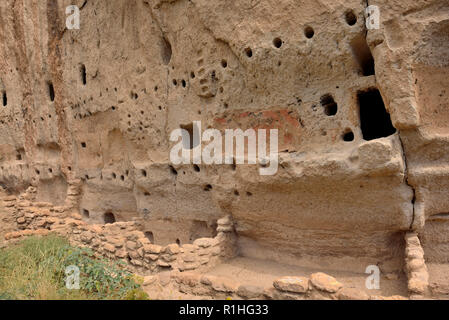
x,y
149,235
329,105
109,218
363,56
375,121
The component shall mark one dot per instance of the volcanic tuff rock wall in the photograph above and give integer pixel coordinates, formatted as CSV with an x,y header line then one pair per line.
x,y
98,104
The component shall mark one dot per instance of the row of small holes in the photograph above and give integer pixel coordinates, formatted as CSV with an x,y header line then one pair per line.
x,y
350,17
50,170
172,171
277,42
183,83
237,193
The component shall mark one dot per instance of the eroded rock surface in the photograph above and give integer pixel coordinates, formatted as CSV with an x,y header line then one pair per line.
x,y
86,117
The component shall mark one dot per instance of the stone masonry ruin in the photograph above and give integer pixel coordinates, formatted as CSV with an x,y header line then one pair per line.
x,y
363,122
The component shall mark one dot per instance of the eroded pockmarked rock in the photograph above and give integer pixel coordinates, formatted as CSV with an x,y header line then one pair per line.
x,y
361,113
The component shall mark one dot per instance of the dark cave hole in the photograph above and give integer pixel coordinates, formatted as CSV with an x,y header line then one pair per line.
x,y
348,136
309,32
51,91
109,218
351,18
249,52
329,105
83,74
277,42
375,121
5,99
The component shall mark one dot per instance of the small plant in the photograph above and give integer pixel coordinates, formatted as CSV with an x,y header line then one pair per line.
x,y
35,269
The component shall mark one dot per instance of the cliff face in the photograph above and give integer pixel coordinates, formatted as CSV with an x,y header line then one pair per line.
x,y
362,118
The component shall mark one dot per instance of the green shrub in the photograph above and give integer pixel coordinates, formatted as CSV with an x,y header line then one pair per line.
x,y
35,269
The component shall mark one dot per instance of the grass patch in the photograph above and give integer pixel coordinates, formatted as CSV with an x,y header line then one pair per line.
x,y
35,269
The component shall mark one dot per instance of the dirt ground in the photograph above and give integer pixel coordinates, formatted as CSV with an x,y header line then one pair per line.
x,y
262,273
